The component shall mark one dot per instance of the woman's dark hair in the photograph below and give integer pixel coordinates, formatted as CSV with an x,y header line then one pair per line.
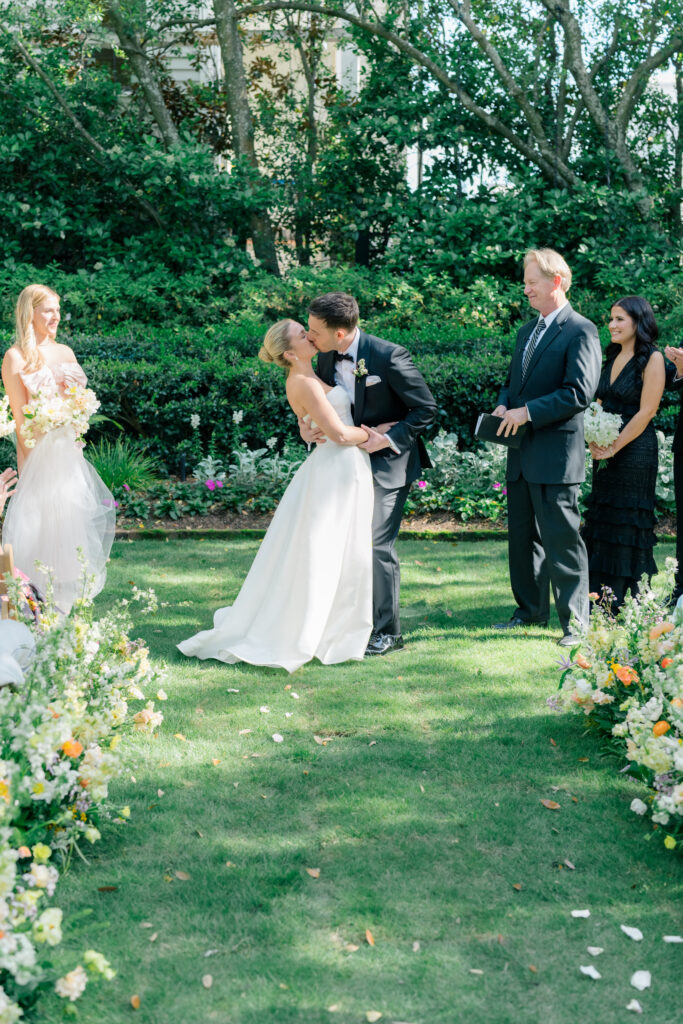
x,y
336,309
647,332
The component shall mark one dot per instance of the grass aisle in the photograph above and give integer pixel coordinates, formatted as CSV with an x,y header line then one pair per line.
x,y
421,810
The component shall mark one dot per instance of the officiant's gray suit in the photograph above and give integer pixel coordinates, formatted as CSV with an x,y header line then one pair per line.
x,y
544,473
392,389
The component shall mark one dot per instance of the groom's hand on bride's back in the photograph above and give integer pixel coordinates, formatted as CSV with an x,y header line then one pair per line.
x,y
309,434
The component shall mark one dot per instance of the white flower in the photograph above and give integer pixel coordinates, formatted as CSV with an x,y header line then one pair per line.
x,y
72,985
638,807
271,442
48,927
95,962
194,420
9,1011
237,417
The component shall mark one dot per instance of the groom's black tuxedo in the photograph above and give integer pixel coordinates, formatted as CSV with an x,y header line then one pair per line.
x,y
393,389
400,394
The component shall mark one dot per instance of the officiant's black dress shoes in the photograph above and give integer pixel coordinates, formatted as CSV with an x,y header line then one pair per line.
x,y
515,622
383,643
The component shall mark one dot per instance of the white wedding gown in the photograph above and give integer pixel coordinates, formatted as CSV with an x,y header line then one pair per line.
x,y
60,505
308,593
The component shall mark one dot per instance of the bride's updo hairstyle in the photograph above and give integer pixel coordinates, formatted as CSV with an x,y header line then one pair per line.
x,y
276,343
25,338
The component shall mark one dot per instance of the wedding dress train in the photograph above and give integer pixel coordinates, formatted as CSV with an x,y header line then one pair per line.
x,y
308,593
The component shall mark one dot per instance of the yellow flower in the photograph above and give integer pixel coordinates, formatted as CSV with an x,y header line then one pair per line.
x,y
670,842
125,812
41,852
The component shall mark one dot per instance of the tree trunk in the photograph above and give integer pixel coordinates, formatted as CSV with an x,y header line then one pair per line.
x,y
241,122
144,74
678,153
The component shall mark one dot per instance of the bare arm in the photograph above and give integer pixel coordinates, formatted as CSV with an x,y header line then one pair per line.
x,y
18,397
654,379
307,398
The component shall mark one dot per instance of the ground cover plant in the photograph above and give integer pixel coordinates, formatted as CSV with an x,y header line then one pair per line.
x,y
392,854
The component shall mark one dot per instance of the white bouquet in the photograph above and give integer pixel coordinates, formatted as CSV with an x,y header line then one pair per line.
x,y
600,427
48,412
7,424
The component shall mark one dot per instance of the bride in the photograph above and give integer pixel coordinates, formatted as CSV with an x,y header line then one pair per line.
x,y
60,505
308,593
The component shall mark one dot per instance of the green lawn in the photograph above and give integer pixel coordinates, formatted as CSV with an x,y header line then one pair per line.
x,y
421,808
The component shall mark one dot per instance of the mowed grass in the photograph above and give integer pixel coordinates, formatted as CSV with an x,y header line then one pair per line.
x,y
421,808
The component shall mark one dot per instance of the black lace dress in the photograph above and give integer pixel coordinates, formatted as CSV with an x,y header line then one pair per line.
x,y
619,522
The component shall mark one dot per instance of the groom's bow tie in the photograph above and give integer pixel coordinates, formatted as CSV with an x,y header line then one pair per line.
x,y
338,356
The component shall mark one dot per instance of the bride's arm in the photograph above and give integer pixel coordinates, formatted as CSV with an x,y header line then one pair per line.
x,y
307,394
18,397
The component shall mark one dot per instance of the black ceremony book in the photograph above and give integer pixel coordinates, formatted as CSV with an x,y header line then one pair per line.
x,y
486,428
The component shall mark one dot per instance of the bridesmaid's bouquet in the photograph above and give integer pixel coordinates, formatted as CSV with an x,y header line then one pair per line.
x,y
48,412
600,427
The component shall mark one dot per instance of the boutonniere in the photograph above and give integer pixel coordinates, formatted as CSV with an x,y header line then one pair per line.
x,y
361,369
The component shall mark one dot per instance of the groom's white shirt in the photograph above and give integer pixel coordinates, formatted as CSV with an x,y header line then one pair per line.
x,y
343,370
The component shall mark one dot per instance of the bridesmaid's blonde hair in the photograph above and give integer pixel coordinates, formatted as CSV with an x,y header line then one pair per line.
x,y
25,337
276,342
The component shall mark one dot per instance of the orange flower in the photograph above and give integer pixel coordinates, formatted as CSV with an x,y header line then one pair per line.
x,y
24,851
581,661
666,662
84,783
72,748
677,702
625,674
662,627
660,727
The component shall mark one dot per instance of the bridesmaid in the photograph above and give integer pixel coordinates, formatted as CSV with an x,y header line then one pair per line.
x,y
619,524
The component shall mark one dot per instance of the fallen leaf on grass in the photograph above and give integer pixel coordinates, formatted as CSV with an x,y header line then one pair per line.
x,y
207,981
553,742
672,938
244,732
475,970
517,886
551,805
182,875
416,946
313,872
350,948
146,924
569,864
167,878
154,936
591,972
215,761
179,736
372,743
534,970
369,937
641,980
230,864
422,789
333,1008
634,1006
372,1016
135,1002
633,933
595,950
581,913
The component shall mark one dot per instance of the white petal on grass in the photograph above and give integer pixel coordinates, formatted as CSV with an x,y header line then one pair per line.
x,y
638,807
288,714
595,950
264,709
231,689
641,980
277,737
294,695
590,972
581,913
672,938
635,1006
633,933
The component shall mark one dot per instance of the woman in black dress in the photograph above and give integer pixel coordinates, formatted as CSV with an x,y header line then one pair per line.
x,y
619,523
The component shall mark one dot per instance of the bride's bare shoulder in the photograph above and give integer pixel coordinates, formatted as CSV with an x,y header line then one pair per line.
x,y
13,360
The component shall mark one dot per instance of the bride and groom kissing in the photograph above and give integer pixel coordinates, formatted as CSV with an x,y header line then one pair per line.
x,y
325,581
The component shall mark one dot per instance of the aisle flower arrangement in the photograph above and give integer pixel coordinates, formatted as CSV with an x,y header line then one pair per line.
x,y
627,679
70,688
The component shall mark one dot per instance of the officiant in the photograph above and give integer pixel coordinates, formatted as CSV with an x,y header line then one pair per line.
x,y
552,378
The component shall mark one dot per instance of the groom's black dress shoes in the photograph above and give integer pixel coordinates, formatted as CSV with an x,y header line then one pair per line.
x,y
383,643
515,622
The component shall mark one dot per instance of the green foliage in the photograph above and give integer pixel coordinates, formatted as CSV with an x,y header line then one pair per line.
x,y
121,464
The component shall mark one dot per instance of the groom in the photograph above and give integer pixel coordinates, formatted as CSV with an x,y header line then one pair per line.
x,y
386,392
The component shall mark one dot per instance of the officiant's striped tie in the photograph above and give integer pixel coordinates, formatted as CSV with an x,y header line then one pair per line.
x,y
531,345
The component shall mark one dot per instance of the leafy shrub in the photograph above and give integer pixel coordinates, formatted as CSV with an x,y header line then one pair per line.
x,y
121,464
